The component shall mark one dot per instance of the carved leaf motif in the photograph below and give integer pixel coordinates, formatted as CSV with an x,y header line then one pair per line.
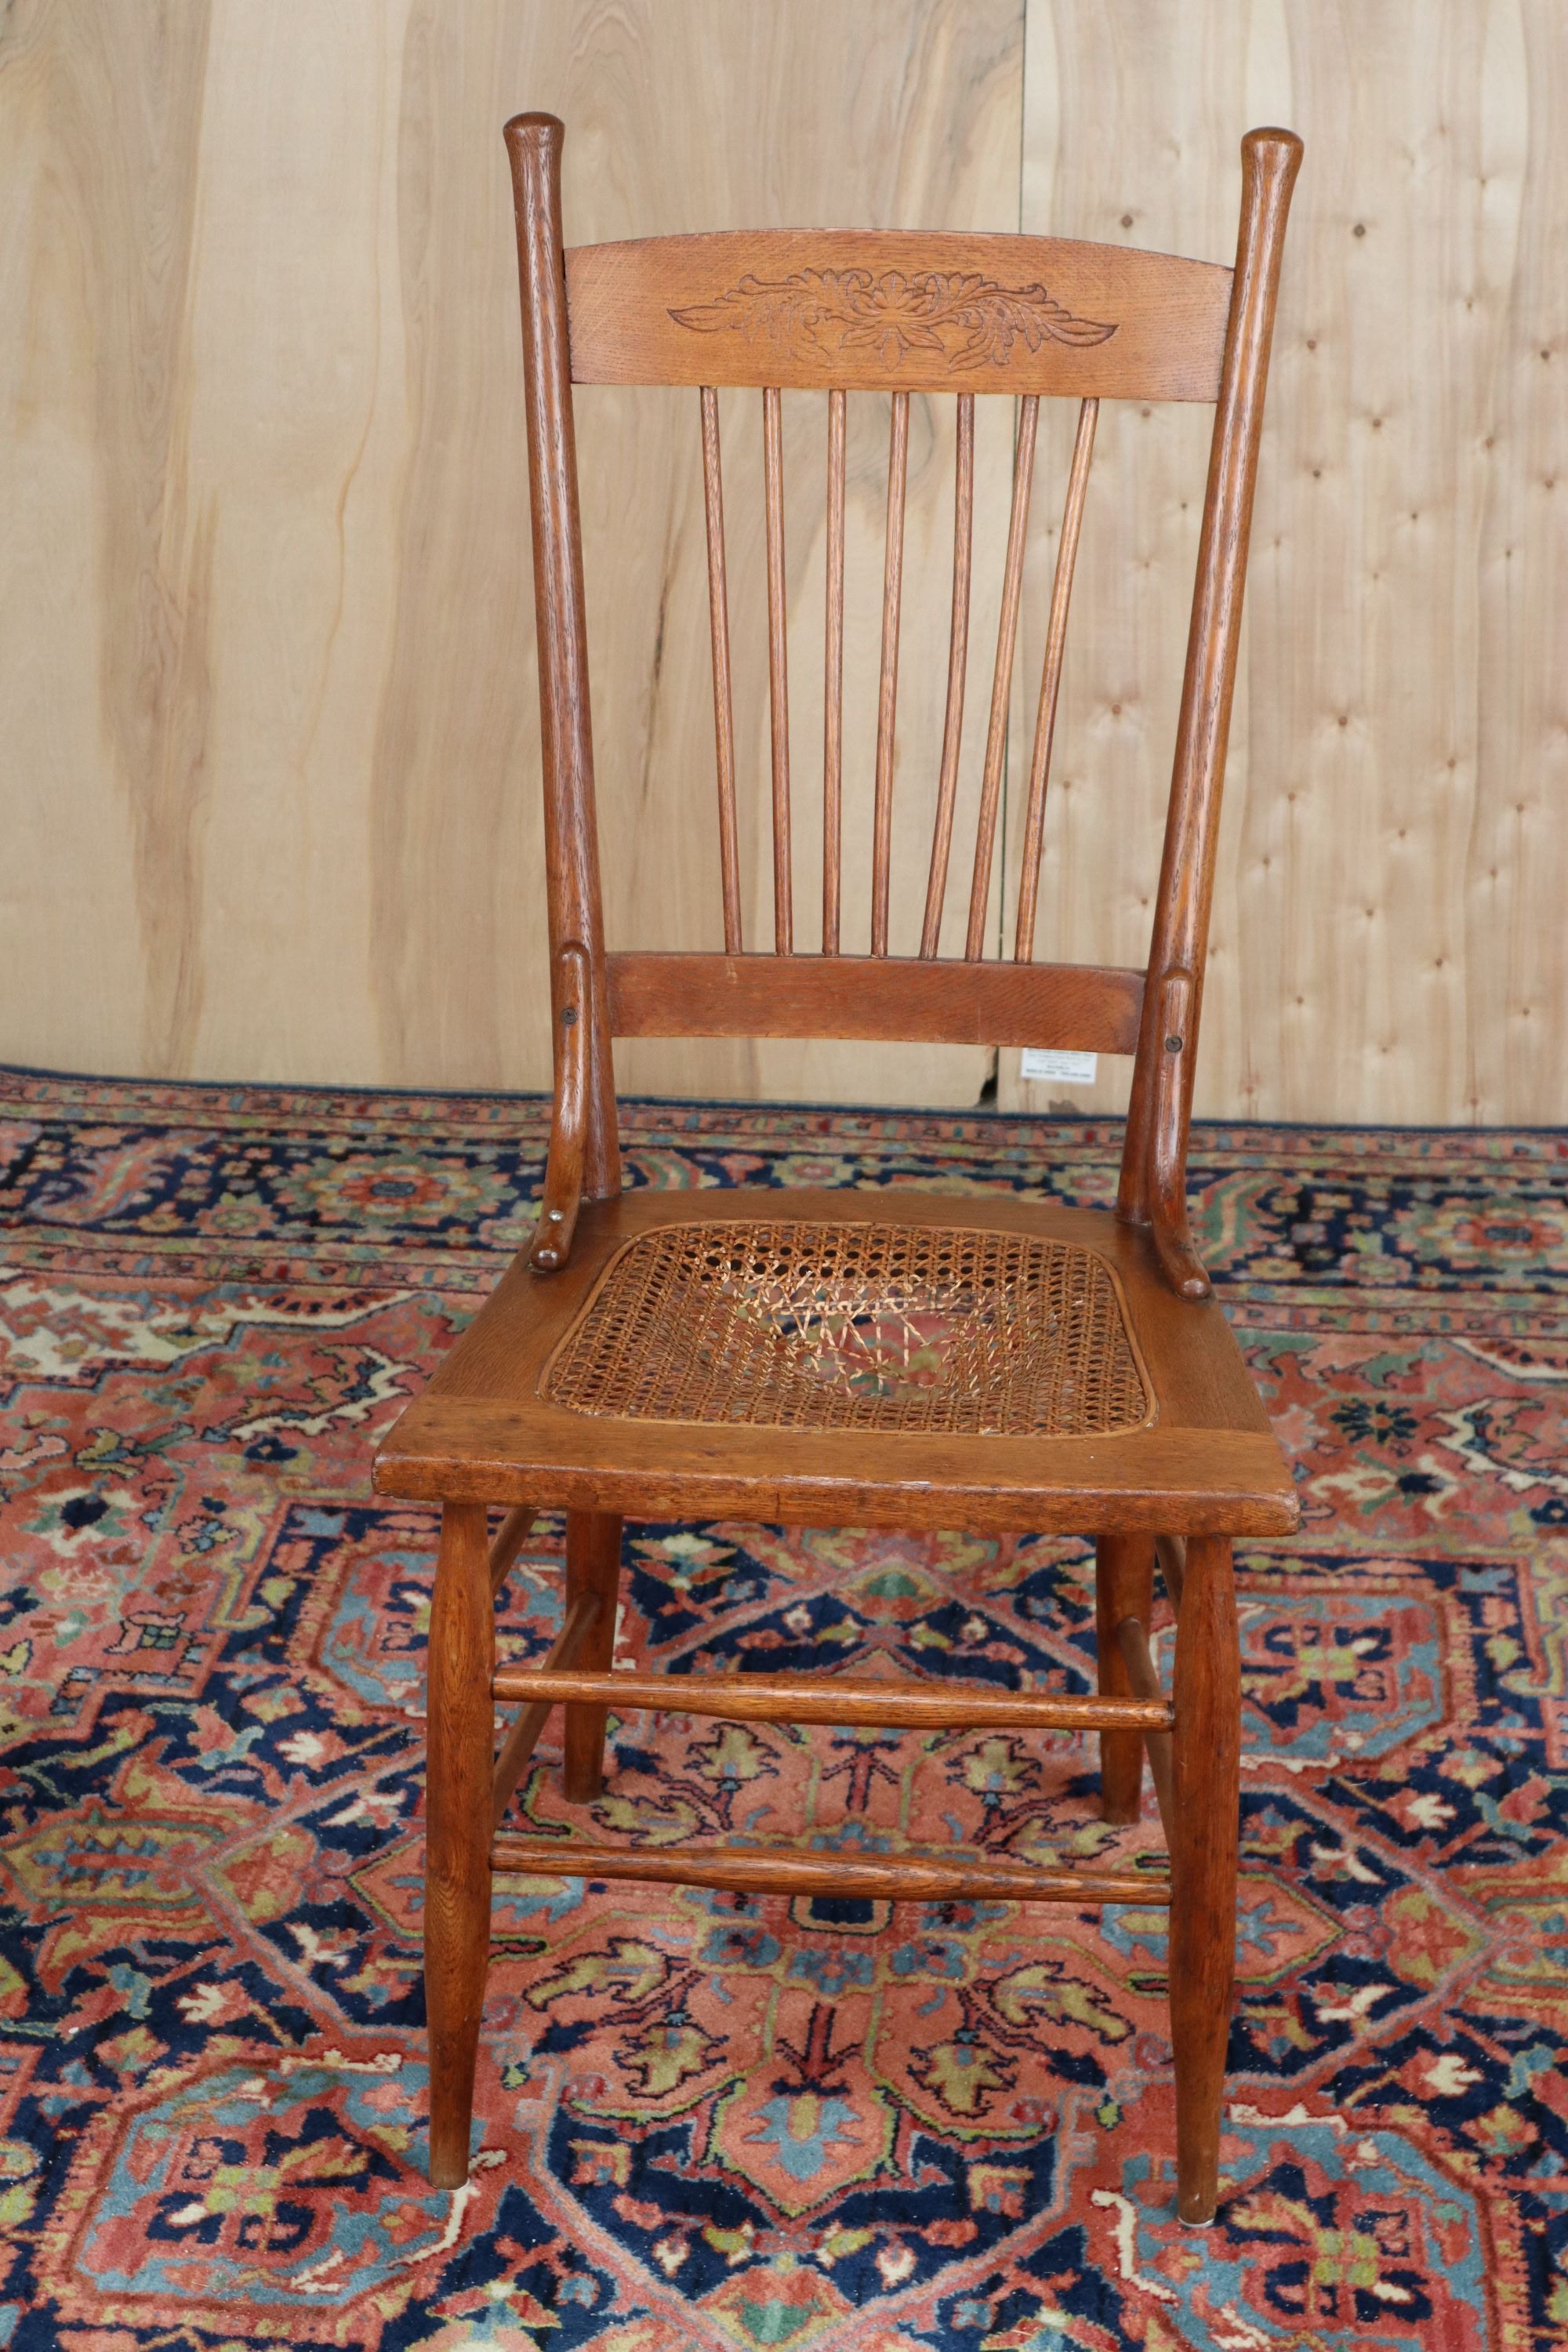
x,y
971,318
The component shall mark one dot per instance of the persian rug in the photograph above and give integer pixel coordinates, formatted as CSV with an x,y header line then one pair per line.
x,y
713,2122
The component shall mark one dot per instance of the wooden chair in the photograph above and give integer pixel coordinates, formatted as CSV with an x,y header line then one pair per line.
x,y
703,1355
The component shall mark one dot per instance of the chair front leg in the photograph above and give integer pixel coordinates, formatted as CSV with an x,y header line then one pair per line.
x,y
459,1727
592,1565
1123,1587
1206,1772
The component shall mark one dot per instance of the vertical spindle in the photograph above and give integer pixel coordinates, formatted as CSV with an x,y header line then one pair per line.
x,y
833,720
723,700
1002,680
1050,680
888,692
957,664
778,672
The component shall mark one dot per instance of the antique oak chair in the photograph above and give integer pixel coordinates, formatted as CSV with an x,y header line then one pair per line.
x,y
701,1355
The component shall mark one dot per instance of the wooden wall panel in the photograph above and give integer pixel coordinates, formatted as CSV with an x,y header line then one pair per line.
x,y
1513,937
272,799
103,619
270,790
1385,945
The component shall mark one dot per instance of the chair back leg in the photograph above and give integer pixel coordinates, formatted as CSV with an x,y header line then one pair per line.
x,y
457,1831
1123,1587
1206,1743
592,1565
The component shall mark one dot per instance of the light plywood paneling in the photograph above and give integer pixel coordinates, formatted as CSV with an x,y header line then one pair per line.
x,y
266,657
270,787
1384,946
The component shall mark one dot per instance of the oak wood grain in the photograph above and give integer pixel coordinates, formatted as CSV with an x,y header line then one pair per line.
x,y
1144,1676
523,1736
566,1165
515,1530
1206,1460
593,1573
491,1448
898,313
571,829
1171,1552
723,692
1205,1806
835,1698
457,1831
778,672
1051,678
957,671
655,995
1002,680
1187,1451
832,680
899,1878
1154,1161
887,687
1123,1582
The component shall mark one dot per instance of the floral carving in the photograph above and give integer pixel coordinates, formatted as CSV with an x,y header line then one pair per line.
x,y
970,318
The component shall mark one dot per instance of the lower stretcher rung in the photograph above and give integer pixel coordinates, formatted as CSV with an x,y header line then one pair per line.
x,y
896,1878
905,1704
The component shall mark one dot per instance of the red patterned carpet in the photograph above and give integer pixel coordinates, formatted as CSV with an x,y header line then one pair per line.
x,y
706,2121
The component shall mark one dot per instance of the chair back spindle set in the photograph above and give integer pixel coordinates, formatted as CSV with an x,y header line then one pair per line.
x,y
769,1356
887,682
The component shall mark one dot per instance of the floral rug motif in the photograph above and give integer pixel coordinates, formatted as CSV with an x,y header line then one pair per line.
x,y
718,2122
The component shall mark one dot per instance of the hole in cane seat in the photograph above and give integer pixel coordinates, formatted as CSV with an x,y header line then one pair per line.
x,y
866,1326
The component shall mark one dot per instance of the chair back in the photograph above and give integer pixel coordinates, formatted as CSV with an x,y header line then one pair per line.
x,y
894,312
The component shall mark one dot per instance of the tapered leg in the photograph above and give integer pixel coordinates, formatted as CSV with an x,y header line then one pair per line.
x,y
1123,1587
1206,1771
458,1832
592,1565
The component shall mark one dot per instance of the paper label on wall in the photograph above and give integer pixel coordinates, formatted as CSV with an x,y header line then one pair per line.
x,y
1046,1061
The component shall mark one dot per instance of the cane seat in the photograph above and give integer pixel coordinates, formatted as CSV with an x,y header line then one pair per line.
x,y
784,1325
988,1360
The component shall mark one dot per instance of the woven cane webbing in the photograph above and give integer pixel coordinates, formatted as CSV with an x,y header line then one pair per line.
x,y
854,1327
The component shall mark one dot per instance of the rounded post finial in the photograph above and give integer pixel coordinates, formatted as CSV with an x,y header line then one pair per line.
x,y
537,130
1271,153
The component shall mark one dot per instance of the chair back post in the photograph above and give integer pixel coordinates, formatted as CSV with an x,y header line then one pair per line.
x,y
1153,1165
571,834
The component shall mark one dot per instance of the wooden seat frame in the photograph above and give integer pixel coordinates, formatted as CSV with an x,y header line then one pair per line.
x,y
1027,318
